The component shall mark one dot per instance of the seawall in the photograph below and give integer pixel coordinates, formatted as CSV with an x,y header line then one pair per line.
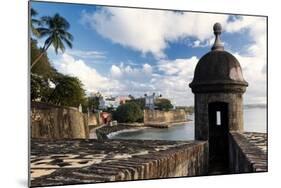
x,y
57,122
94,119
164,119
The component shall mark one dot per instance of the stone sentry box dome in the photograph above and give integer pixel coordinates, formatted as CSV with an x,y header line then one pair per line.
x,y
218,85
218,70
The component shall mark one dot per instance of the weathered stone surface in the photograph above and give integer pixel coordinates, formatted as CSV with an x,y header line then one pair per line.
x,y
163,119
235,112
94,119
248,152
218,85
90,161
57,122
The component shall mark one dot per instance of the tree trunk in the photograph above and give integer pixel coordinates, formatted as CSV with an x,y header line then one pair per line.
x,y
36,60
39,57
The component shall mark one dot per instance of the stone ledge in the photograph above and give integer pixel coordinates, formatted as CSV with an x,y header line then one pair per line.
x,y
91,161
250,150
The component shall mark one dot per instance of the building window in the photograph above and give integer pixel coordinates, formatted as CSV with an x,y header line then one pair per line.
x,y
218,118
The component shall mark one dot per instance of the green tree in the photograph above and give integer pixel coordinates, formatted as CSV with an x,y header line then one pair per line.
x,y
128,113
163,104
55,30
94,101
40,89
41,75
68,91
138,101
43,66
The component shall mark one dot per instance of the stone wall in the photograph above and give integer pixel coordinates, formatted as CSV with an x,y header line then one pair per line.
x,y
57,122
157,117
94,119
92,161
247,152
235,112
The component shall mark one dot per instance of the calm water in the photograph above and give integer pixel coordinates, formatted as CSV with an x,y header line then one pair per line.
x,y
254,121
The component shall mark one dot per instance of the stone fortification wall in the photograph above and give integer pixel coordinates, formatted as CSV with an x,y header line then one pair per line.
x,y
157,117
94,119
57,122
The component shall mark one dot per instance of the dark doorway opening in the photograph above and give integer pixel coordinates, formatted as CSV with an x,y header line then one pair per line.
x,y
218,137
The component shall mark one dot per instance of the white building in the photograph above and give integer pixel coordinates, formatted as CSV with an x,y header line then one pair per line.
x,y
150,101
112,102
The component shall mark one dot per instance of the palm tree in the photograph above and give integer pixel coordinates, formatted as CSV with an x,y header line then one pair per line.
x,y
56,33
34,21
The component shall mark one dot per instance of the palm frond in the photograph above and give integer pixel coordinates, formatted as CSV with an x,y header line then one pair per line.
x,y
35,31
61,45
44,31
66,34
33,12
47,43
67,41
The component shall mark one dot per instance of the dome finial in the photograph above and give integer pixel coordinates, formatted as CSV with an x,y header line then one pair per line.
x,y
217,31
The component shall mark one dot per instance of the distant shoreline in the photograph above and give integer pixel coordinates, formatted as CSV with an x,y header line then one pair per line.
x,y
249,106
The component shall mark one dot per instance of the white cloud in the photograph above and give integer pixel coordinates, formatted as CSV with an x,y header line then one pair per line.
x,y
149,31
254,74
87,54
175,78
130,73
122,26
254,61
181,67
115,71
257,31
123,80
92,80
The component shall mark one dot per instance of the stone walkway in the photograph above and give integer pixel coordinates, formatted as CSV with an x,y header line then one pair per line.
x,y
258,139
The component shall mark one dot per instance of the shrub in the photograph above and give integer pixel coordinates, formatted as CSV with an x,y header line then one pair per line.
x,y
128,113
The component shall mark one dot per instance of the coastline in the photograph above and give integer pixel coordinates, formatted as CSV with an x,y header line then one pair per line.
x,y
107,132
165,124
112,134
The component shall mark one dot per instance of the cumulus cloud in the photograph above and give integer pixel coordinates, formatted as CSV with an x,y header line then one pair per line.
x,y
181,67
254,74
157,28
130,73
174,79
150,31
256,27
92,80
254,61
122,80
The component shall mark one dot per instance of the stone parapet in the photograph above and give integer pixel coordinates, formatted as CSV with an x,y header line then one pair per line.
x,y
248,152
157,118
91,161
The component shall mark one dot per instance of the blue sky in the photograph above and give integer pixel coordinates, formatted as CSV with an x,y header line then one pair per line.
x,y
120,51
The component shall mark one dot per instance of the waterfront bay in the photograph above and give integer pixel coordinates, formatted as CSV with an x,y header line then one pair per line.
x,y
254,121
